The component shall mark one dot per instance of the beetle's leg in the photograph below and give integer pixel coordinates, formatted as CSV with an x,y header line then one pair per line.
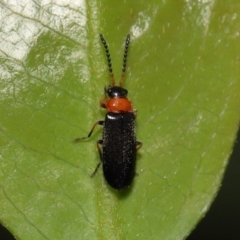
x,y
103,102
135,112
104,99
90,133
99,142
138,145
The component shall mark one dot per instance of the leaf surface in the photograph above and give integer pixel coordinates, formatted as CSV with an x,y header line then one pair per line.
x,y
182,77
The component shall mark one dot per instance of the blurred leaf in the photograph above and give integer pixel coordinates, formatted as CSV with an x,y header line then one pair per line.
x,y
183,77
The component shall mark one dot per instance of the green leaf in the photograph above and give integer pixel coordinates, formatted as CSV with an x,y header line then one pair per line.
x,y
183,78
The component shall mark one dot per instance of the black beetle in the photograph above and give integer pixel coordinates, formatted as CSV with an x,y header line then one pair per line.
x,y
119,145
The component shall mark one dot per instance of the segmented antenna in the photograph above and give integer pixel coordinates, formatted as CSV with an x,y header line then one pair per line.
x,y
108,59
124,59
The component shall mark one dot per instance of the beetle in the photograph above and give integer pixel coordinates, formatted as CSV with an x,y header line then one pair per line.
x,y
118,146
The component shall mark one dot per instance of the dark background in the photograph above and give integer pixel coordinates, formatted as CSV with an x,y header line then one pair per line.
x,y
222,222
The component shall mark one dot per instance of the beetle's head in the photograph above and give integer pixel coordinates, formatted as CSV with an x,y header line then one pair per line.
x,y
116,91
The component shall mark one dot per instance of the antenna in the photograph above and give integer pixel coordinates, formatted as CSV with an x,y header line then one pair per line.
x,y
108,59
124,59
127,42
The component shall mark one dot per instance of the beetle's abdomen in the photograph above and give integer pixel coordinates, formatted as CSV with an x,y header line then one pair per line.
x,y
119,149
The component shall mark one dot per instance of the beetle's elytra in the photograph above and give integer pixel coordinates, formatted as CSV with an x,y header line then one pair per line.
x,y
118,146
